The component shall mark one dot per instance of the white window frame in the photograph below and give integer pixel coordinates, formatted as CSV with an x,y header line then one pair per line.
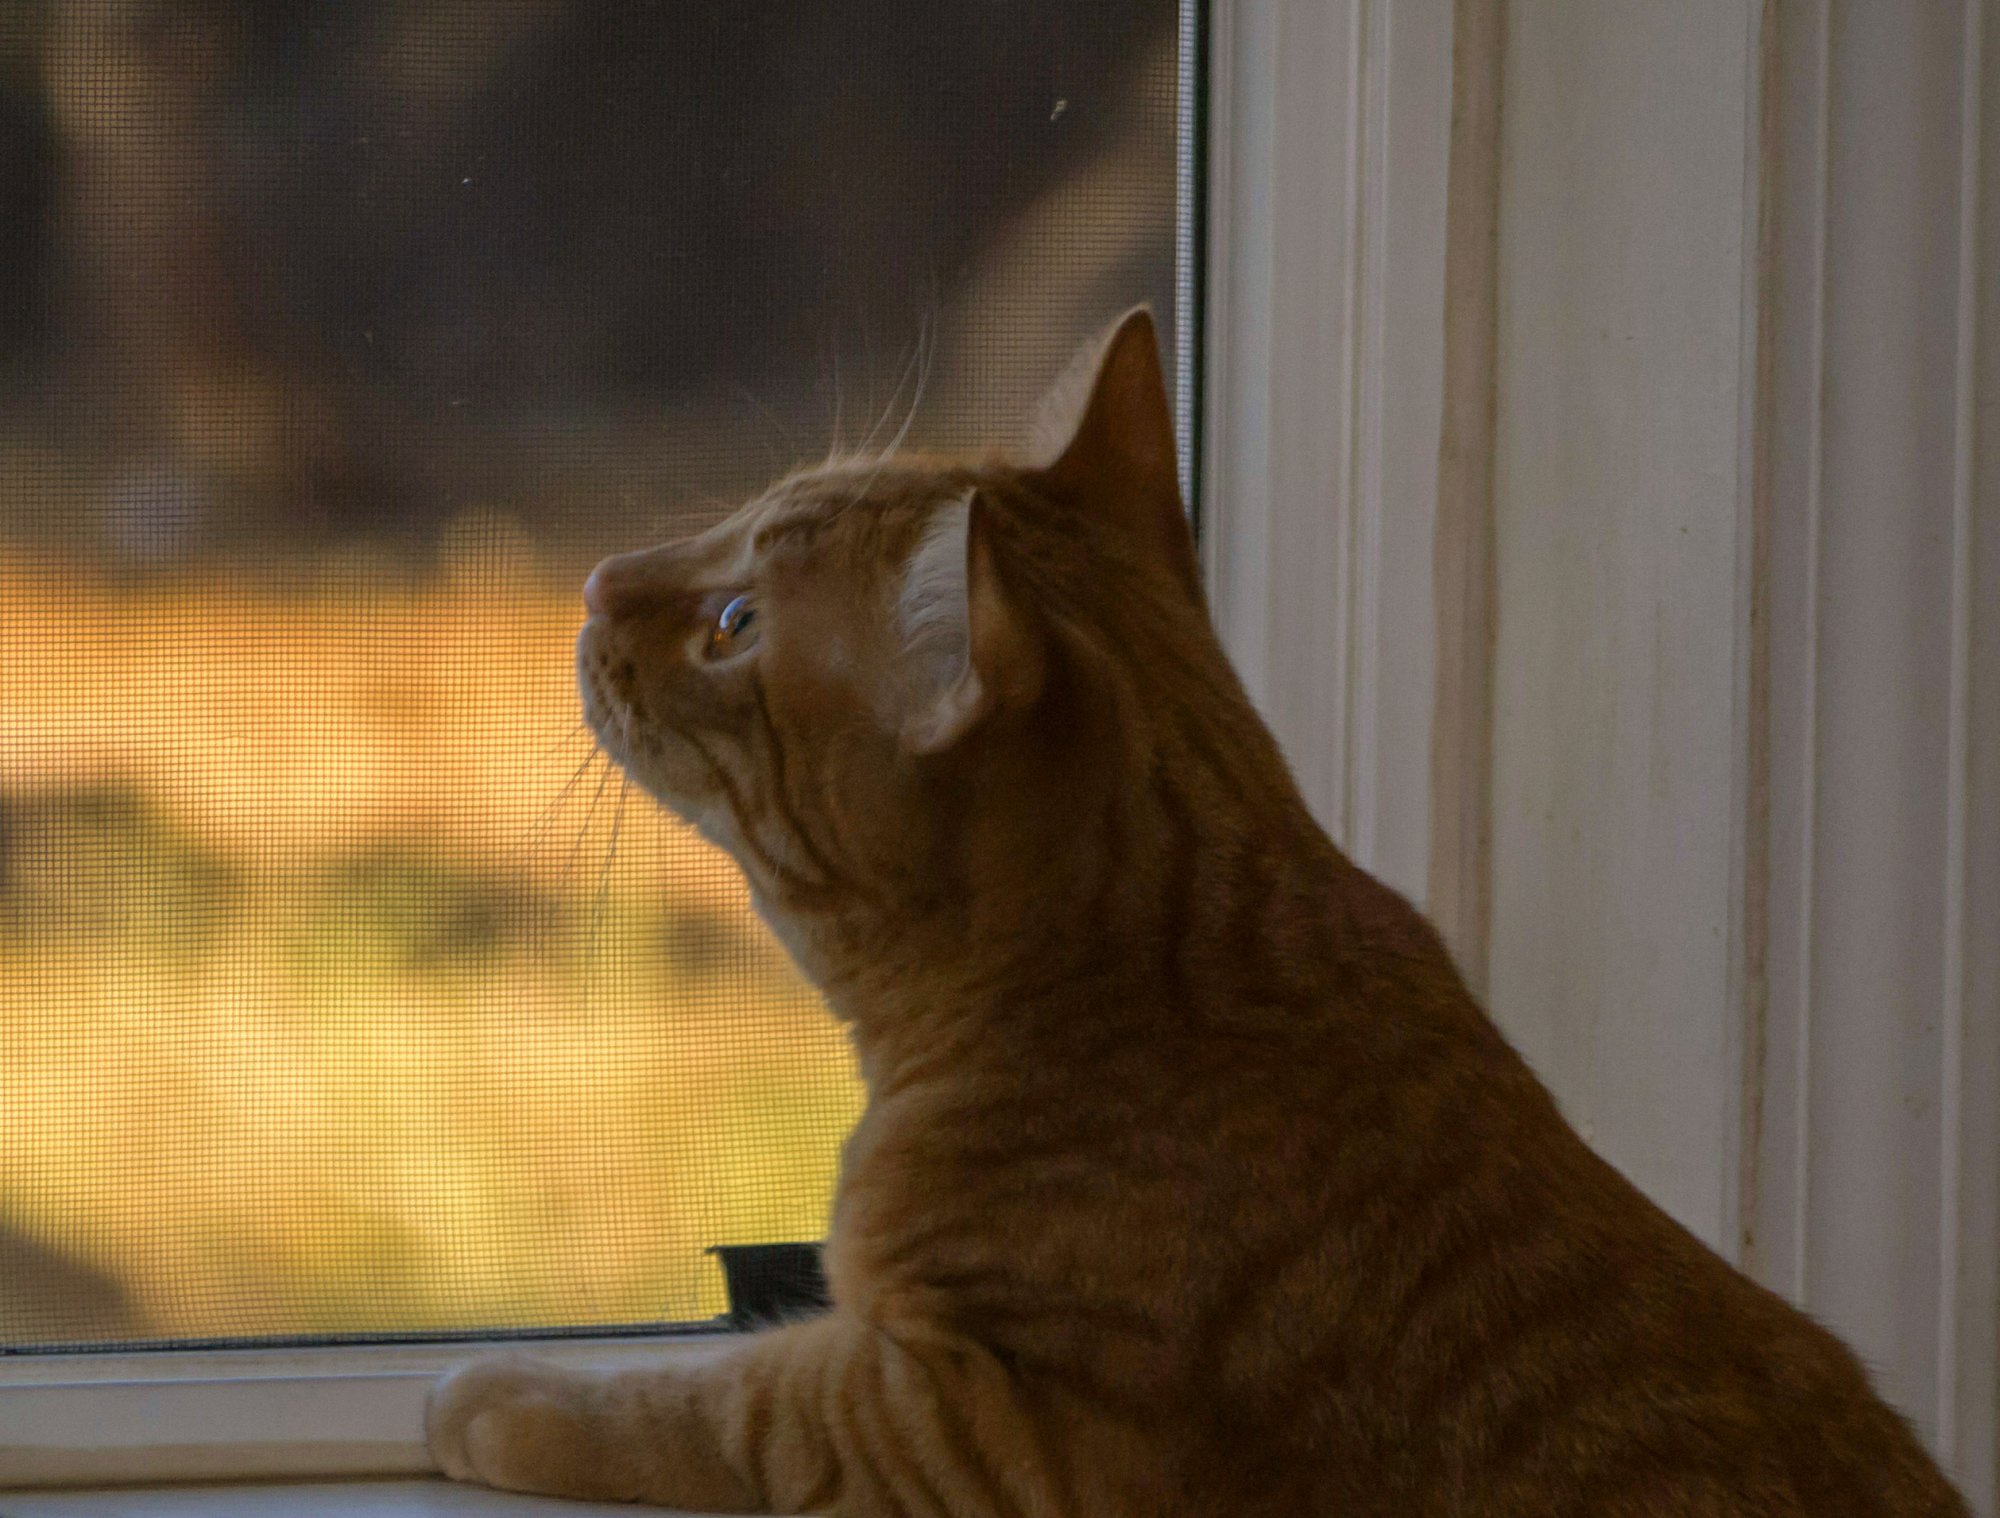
x,y
1874,1137
1329,123
242,1414
1745,717
1721,508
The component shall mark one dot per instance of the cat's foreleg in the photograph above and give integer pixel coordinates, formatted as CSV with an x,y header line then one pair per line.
x,y
824,1416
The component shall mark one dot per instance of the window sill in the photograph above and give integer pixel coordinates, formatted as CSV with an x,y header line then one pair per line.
x,y
317,1499
347,1413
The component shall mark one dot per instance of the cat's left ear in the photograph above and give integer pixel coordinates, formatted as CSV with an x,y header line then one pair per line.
x,y
968,653
1105,440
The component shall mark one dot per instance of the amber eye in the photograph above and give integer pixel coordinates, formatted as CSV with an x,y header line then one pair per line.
x,y
732,627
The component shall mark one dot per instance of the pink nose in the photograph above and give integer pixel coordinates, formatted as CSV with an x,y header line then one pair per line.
x,y
600,590
620,587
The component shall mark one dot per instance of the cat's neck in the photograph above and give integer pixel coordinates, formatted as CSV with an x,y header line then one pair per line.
x,y
1192,886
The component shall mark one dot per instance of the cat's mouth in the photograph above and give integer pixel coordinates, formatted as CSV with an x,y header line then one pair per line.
x,y
638,739
605,680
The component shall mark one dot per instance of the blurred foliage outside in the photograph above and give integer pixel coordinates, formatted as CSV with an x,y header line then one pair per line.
x,y
325,1009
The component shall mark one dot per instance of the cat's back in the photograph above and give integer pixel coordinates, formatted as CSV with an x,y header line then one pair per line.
x,y
1486,1317
1476,1314
1561,1346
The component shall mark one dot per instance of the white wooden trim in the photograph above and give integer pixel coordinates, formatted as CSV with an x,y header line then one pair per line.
x,y
1190,157
1749,940
435,1498
1329,124
1402,410
1796,296
1623,484
1461,824
1878,1158
78,1420
1968,1330
1747,675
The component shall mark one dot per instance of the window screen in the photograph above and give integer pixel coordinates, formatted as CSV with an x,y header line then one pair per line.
x,y
343,991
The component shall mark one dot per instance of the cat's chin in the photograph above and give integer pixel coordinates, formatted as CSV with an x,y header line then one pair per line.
x,y
710,820
712,823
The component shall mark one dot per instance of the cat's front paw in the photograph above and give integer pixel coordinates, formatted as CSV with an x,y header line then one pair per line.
x,y
522,1426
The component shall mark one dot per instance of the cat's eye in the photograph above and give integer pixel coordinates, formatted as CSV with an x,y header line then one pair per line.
x,y
732,627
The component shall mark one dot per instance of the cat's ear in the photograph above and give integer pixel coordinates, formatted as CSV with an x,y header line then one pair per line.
x,y
967,654
1104,439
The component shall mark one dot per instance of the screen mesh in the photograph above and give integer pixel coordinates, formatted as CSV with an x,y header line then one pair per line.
x,y
342,991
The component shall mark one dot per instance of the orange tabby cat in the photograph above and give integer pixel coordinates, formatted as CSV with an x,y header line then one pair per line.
x,y
1192,1181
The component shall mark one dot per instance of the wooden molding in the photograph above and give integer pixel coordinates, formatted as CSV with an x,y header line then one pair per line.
x,y
1460,866
1328,129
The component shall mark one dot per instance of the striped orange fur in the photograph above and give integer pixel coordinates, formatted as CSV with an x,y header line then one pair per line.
x,y
1192,1181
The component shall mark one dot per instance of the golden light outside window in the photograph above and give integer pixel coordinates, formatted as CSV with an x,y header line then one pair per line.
x,y
344,992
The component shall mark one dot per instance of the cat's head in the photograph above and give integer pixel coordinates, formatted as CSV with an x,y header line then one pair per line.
x,y
839,682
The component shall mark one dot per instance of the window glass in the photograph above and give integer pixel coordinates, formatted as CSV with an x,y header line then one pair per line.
x,y
342,992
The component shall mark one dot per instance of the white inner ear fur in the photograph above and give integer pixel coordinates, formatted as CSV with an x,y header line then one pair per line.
x,y
1060,411
931,612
